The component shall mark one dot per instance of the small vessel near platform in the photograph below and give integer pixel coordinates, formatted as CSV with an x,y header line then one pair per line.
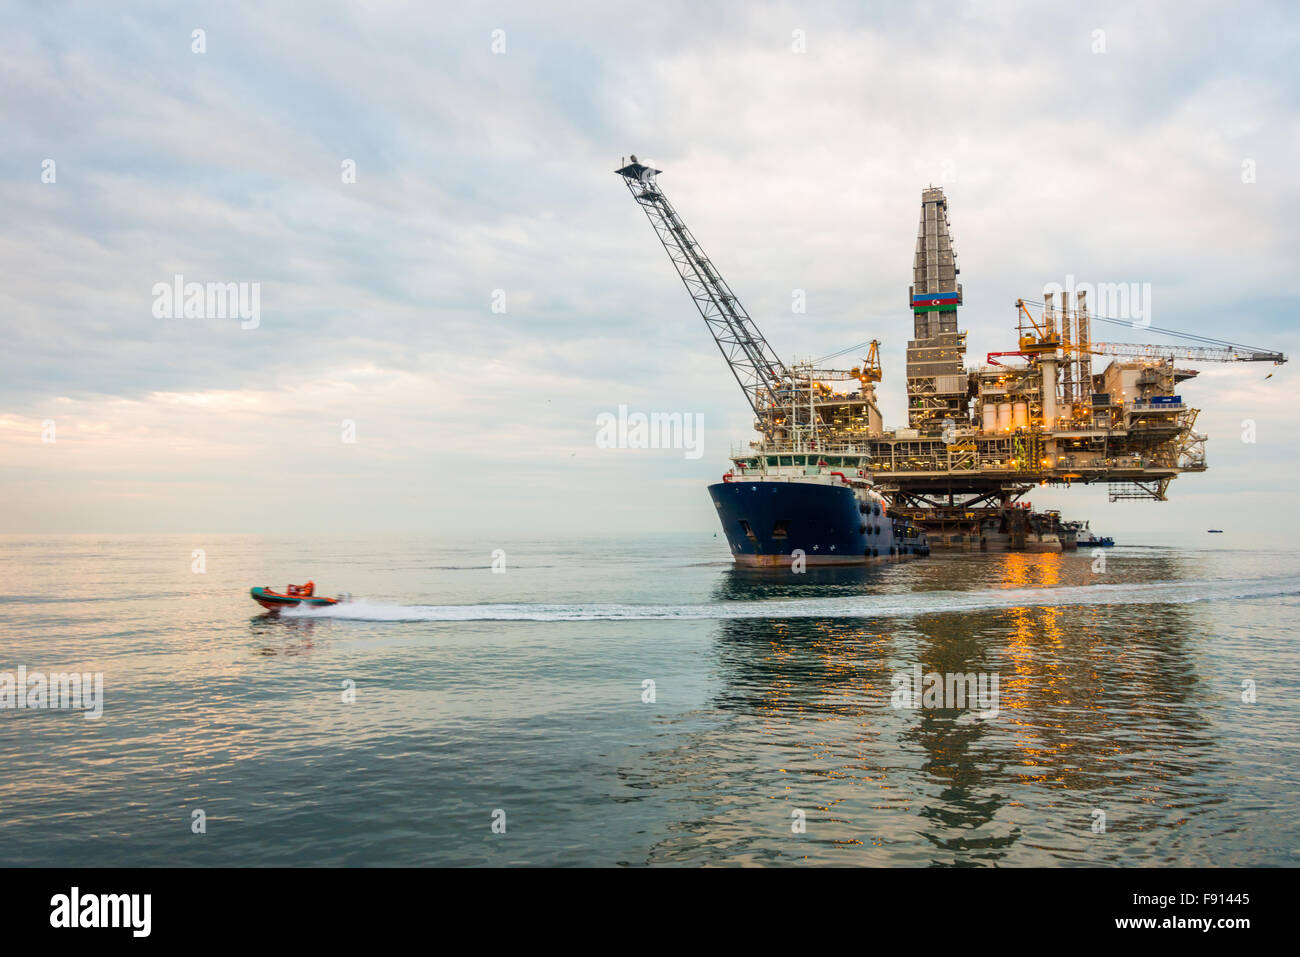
x,y
1086,538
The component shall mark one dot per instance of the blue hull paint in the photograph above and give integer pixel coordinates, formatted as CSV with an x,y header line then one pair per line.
x,y
826,522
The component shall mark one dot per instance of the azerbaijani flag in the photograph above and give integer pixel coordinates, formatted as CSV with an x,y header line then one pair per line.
x,y
934,301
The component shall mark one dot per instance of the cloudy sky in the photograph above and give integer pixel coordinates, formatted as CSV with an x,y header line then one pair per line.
x,y
1150,143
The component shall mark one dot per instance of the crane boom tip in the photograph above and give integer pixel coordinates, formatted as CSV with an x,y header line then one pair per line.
x,y
638,171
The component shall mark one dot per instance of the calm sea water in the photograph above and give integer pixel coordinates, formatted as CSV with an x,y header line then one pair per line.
x,y
1120,692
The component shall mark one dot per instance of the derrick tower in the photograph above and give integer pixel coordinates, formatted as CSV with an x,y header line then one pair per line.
x,y
936,375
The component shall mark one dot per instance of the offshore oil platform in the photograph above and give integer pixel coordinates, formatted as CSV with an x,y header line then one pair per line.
x,y
828,483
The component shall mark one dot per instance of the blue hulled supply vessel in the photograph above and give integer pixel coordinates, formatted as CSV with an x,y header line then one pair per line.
x,y
811,514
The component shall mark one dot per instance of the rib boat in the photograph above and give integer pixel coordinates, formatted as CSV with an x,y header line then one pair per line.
x,y
291,597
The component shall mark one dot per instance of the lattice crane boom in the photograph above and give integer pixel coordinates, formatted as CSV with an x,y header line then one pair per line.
x,y
1134,350
1195,353
756,367
1043,337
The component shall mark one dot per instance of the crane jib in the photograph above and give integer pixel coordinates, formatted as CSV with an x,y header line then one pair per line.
x,y
755,365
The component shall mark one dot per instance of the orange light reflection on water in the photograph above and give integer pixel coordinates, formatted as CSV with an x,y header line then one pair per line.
x,y
1034,648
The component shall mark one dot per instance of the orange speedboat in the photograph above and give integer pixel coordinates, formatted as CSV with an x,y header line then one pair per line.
x,y
292,596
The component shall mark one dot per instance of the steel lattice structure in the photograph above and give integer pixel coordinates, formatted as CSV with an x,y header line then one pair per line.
x,y
1194,353
758,370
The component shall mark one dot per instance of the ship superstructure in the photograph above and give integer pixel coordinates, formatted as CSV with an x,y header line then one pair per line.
x,y
977,440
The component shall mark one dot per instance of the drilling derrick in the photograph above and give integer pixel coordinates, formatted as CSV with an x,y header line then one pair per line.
x,y
936,377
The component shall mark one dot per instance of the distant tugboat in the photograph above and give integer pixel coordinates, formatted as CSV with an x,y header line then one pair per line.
x,y
1087,539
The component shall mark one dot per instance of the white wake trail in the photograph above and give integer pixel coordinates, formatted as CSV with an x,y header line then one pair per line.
x,y
856,606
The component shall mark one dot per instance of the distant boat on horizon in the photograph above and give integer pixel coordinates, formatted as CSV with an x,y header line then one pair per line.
x,y
1085,537
1216,531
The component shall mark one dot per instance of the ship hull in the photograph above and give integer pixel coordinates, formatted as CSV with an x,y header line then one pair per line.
x,y
774,523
